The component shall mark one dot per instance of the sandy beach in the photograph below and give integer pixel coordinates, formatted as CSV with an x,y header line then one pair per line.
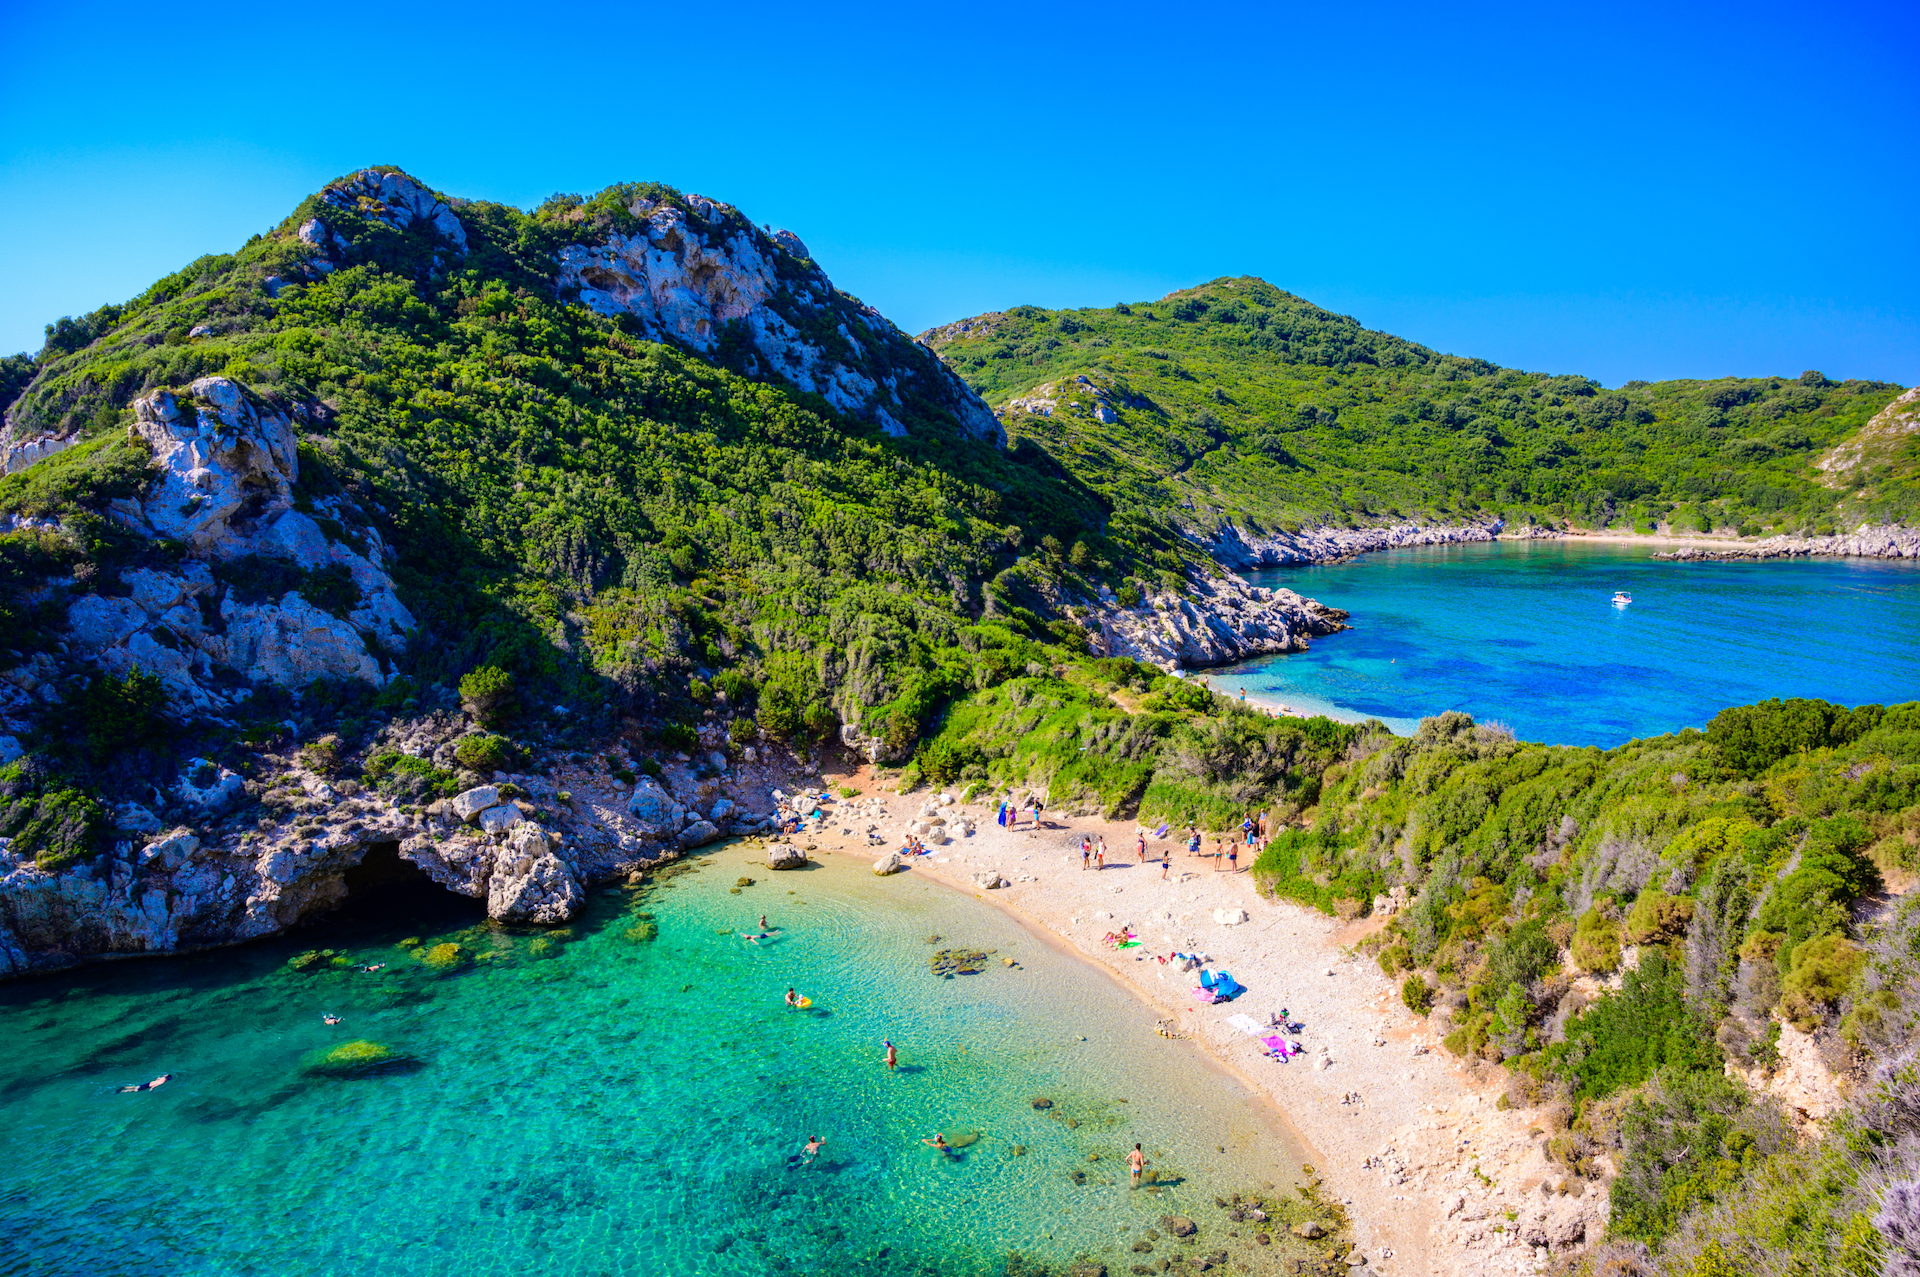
x,y
1437,1178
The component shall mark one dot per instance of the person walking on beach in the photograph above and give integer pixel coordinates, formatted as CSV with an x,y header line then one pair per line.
x,y
1100,854
1086,851
1136,1164
1140,844
1166,863
893,1056
1233,859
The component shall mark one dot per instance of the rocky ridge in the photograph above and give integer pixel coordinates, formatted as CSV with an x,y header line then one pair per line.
x,y
699,274
1876,443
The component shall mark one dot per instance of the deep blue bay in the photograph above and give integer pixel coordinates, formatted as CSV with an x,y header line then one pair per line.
x,y
625,1095
1524,633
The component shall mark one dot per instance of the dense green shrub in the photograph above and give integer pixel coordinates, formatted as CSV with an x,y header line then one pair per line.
x,y
1657,917
1752,738
117,713
1596,942
487,693
483,753
1622,1040
1417,995
1820,973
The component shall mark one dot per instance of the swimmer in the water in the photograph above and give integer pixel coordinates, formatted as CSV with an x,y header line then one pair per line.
x,y
812,1150
329,1018
162,1080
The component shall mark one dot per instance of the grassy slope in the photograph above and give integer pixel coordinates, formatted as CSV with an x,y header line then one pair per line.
x,y
1254,405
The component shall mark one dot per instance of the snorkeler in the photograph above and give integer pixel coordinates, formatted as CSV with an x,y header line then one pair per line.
x,y
162,1080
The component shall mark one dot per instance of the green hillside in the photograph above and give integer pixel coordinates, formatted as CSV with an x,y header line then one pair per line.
x,y
619,523
1238,401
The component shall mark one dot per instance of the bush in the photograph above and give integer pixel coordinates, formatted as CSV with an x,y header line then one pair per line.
x,y
1822,971
1621,1040
1596,942
1751,738
120,713
487,693
1416,994
1658,918
483,753
321,756
57,828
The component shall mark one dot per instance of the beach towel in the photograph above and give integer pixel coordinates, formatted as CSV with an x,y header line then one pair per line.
x,y
1244,1023
1003,815
1205,995
1162,831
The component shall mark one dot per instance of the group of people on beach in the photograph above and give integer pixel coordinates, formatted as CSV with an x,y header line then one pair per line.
x,y
1012,814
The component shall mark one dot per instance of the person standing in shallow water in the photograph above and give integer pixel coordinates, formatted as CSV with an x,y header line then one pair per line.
x,y
893,1056
1136,1164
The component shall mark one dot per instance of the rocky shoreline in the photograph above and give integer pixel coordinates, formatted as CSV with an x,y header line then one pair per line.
x,y
1869,541
1326,544
1214,622
528,845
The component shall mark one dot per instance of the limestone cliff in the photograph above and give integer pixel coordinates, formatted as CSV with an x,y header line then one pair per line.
x,y
237,606
699,274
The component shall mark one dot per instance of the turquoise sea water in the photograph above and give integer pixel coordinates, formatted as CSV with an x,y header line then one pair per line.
x,y
595,1102
1524,633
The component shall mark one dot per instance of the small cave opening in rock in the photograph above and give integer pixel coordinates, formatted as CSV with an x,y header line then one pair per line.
x,y
386,890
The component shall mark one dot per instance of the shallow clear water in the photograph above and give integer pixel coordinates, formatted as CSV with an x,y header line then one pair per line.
x,y
607,1104
1524,633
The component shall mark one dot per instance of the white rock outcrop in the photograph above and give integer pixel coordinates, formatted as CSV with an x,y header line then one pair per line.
x,y
691,274
1212,623
225,468
529,882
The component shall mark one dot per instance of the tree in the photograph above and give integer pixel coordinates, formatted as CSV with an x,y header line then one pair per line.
x,y
487,693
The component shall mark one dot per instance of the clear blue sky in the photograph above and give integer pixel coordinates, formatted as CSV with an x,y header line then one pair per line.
x,y
1619,190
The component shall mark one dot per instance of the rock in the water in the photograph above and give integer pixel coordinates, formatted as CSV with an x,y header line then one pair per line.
x,y
1178,1225
698,834
470,804
530,883
891,863
1310,1229
1043,1103
784,855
